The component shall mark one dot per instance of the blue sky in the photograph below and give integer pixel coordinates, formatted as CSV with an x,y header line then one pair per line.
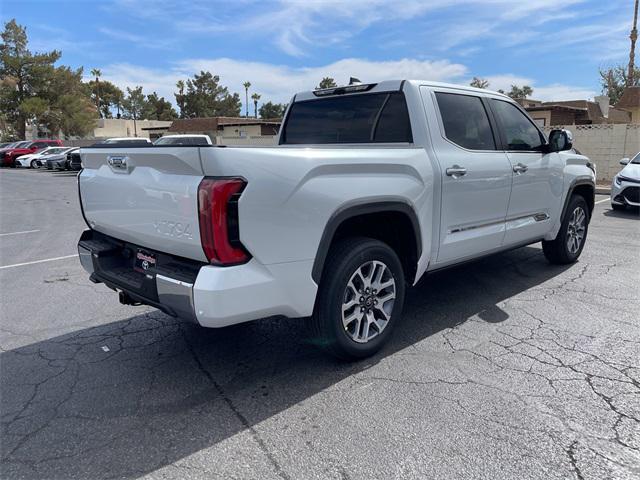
x,y
283,46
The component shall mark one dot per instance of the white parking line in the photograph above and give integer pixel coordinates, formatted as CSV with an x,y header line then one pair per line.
x,y
605,200
18,233
38,261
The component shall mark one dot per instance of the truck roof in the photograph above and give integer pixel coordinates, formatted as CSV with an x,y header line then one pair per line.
x,y
385,86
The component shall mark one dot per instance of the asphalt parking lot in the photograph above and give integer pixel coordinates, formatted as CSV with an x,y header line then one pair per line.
x,y
503,368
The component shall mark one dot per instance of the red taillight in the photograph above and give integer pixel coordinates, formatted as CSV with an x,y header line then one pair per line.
x,y
217,208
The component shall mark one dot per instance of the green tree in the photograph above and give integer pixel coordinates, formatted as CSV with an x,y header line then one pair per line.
x,y
133,105
71,110
272,110
205,97
255,97
106,95
74,116
478,82
518,92
613,81
24,74
246,86
157,108
326,82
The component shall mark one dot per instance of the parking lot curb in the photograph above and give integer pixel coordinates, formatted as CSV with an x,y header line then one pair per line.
x,y
603,189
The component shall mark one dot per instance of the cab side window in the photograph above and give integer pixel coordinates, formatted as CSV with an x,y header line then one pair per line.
x,y
465,121
519,131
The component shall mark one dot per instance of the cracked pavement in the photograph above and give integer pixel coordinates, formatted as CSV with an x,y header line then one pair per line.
x,y
504,368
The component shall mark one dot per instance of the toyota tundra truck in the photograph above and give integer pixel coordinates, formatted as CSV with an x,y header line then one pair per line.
x,y
370,187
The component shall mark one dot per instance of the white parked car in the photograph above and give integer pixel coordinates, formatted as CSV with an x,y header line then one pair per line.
x,y
625,189
35,160
124,141
371,187
177,140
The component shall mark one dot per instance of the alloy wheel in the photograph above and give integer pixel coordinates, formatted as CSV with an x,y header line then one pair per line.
x,y
368,301
576,230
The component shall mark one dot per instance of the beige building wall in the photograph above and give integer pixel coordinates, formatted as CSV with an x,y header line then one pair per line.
x,y
264,140
119,127
241,131
605,145
542,118
635,114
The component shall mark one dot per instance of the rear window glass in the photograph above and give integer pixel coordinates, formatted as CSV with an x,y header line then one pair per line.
x,y
465,121
368,118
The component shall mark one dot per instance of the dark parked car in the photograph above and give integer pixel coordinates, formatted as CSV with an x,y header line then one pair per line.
x,y
73,160
59,161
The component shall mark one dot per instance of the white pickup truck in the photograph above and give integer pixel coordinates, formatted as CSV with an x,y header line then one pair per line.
x,y
370,187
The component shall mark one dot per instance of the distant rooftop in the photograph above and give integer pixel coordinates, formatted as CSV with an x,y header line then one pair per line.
x,y
210,124
630,98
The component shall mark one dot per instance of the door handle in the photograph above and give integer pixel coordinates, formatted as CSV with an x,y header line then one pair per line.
x,y
456,171
520,168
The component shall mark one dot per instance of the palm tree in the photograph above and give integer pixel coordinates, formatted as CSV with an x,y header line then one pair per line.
x,y
97,73
632,52
255,97
118,97
246,96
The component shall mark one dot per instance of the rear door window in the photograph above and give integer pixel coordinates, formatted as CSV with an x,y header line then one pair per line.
x,y
465,121
364,118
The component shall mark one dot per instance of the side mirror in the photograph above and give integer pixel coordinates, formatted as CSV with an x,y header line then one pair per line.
x,y
624,161
560,140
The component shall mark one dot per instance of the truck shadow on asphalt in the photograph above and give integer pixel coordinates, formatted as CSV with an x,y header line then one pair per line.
x,y
130,397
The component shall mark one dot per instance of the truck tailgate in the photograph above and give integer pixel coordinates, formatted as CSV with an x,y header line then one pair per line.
x,y
147,196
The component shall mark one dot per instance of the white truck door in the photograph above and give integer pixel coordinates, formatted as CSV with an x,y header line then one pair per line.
x,y
475,174
538,180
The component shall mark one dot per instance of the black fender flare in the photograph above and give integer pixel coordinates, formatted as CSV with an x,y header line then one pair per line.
x,y
575,183
350,211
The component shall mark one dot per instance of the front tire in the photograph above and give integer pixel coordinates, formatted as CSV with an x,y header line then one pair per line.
x,y
360,298
568,244
34,164
615,206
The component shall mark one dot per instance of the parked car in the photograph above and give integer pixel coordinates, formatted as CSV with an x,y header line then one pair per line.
x,y
125,141
177,140
34,160
8,156
370,187
625,189
11,146
58,161
74,161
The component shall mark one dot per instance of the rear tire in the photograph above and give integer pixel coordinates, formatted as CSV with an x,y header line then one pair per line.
x,y
568,244
360,298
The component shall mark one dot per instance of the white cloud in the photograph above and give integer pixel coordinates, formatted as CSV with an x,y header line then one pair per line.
x,y
279,82
559,92
555,91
